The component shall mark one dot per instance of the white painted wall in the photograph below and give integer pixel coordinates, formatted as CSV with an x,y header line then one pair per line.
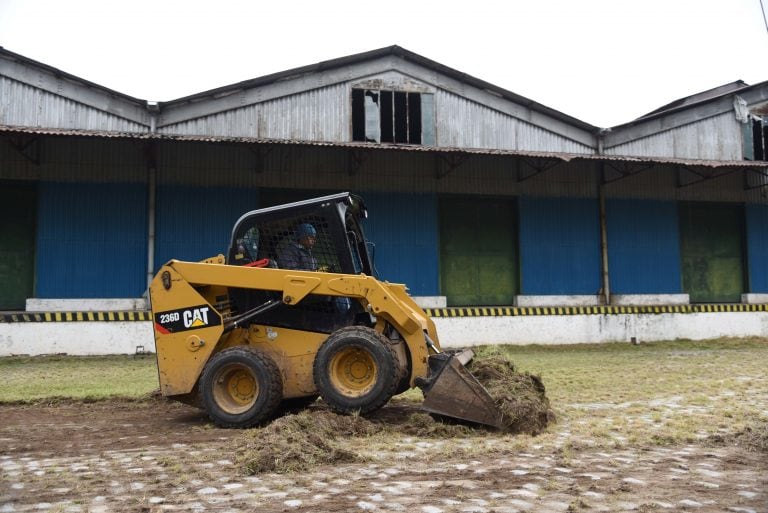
x,y
87,305
78,338
576,329
94,338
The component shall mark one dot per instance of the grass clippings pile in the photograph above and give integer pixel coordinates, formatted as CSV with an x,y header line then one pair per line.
x,y
521,397
299,442
753,437
315,437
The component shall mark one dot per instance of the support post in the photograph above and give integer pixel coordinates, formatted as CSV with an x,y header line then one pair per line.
x,y
151,212
606,281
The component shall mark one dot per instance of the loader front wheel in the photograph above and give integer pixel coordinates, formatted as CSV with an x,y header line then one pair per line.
x,y
240,387
356,370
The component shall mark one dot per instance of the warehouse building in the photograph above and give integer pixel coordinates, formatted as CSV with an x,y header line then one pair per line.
x,y
478,196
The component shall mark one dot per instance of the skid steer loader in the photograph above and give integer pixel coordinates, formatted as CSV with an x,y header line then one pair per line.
x,y
241,333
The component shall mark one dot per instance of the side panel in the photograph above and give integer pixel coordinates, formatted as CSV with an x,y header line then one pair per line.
x,y
404,229
712,251
478,250
559,246
91,240
194,223
757,247
643,247
18,201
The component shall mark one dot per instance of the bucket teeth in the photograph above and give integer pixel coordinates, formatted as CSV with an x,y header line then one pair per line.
x,y
451,390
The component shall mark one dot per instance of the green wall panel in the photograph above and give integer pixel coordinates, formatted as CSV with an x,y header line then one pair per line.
x,y
17,244
712,251
478,251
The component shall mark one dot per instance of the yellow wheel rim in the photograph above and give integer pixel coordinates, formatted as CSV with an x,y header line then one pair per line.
x,y
235,388
353,372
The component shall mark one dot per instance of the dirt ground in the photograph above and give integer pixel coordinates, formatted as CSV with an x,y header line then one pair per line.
x,y
157,456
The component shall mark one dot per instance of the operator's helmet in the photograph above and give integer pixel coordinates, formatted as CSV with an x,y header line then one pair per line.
x,y
305,230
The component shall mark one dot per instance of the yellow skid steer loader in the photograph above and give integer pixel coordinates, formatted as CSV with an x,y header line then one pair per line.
x,y
293,312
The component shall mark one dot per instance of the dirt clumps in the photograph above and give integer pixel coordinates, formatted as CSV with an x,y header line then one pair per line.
x,y
753,437
520,397
300,442
317,436
424,425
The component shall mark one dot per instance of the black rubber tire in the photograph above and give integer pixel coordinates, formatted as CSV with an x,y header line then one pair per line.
x,y
362,351
229,369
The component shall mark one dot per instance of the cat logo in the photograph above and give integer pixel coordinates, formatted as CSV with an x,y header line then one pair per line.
x,y
196,318
183,319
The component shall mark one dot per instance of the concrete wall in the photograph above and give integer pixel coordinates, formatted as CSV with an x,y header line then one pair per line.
x,y
93,338
576,329
77,338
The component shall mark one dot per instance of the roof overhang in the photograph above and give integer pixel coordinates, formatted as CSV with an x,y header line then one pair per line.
x,y
370,147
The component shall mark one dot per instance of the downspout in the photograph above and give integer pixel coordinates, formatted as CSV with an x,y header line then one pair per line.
x,y
151,194
605,277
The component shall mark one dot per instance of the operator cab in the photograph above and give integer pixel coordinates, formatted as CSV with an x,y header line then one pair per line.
x,y
279,236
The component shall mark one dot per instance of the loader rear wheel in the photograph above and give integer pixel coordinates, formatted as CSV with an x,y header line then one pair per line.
x,y
356,370
240,387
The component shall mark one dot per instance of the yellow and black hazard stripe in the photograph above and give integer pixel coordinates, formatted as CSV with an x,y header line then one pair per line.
x,y
497,311
125,316
517,311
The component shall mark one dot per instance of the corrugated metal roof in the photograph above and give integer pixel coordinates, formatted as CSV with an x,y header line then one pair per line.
x,y
694,100
703,96
383,52
565,157
68,76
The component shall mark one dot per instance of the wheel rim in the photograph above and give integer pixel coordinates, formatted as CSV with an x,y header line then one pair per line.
x,y
235,388
353,371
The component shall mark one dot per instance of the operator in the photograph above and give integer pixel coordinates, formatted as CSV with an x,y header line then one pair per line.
x,y
297,254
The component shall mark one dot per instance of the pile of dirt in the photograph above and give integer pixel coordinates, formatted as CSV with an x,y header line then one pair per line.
x,y
317,436
424,425
753,437
521,397
299,442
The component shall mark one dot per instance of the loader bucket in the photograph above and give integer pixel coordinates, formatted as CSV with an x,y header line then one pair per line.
x,y
451,390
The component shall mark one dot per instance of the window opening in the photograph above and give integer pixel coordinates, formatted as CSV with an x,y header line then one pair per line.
x,y
387,117
414,118
755,138
401,118
358,115
392,117
758,139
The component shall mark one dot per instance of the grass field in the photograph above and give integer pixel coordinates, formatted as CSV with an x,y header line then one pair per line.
x,y
654,393
657,393
30,379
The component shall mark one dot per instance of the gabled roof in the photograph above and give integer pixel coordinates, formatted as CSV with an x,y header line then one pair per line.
x,y
703,96
26,61
61,84
395,51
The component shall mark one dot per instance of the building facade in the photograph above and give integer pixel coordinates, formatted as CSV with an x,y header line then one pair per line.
x,y
478,196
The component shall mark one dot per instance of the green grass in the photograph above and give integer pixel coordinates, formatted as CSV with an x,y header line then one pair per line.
x,y
655,393
605,394
30,379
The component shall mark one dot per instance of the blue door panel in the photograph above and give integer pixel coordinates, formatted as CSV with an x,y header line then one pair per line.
x,y
194,223
404,229
91,240
643,246
559,246
757,247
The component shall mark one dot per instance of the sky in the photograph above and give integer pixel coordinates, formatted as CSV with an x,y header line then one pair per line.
x,y
605,62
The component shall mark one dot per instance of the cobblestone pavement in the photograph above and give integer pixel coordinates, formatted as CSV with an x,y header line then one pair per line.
x,y
157,456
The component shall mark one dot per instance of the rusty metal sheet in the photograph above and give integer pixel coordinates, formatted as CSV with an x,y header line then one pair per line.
x,y
565,157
